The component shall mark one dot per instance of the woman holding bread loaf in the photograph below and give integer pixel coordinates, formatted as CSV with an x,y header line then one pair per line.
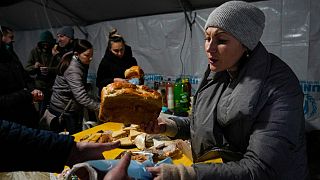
x,y
118,57
248,108
70,88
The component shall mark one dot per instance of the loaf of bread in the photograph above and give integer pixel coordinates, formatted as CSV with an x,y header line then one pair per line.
x,y
129,104
134,72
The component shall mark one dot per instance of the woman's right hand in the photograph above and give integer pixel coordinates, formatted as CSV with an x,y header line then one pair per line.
x,y
157,126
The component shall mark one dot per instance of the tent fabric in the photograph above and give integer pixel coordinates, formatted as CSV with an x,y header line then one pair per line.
x,y
44,14
165,46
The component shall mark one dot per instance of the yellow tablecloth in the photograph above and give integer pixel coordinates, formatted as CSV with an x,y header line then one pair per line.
x,y
112,154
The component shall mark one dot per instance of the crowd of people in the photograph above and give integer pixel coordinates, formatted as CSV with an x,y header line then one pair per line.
x,y
248,107
52,76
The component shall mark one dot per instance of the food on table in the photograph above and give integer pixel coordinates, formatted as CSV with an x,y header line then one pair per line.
x,y
160,146
98,137
119,134
133,134
129,104
139,156
164,149
125,141
140,141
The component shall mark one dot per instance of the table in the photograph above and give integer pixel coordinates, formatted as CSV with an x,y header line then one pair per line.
x,y
112,154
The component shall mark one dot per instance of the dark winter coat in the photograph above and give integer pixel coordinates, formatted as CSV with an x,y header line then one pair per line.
x,y
46,59
16,102
112,67
255,121
26,149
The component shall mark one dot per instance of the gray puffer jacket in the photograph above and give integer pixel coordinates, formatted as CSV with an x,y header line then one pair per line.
x,y
72,86
258,116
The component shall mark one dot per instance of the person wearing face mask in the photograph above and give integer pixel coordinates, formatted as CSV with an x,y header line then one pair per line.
x,y
69,88
43,67
118,57
17,89
248,109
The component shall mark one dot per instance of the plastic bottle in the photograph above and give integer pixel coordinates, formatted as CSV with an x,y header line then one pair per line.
x,y
184,97
188,90
169,85
162,91
176,96
170,98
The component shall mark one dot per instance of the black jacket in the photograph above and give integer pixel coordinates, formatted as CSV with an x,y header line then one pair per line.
x,y
16,103
26,149
112,67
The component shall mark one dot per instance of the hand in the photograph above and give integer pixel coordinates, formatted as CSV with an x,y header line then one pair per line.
x,y
156,172
54,50
85,151
154,127
37,95
44,70
120,172
37,65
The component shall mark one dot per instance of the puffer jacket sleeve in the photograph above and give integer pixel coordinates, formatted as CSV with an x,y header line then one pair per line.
x,y
26,149
74,78
277,140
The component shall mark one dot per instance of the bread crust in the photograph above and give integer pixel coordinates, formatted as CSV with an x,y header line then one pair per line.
x,y
129,104
134,72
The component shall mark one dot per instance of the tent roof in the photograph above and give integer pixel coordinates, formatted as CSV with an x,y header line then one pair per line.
x,y
43,14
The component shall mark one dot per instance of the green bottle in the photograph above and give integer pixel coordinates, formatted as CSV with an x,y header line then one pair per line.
x,y
176,96
184,97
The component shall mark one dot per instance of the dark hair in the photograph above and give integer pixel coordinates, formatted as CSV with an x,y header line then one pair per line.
x,y
114,37
6,30
80,46
1,31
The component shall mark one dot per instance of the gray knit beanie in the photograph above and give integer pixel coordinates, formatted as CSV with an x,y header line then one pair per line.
x,y
241,19
66,31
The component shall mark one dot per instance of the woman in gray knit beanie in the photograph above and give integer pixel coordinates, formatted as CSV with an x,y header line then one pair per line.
x,y
248,109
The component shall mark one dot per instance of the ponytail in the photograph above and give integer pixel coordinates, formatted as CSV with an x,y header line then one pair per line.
x,y
64,63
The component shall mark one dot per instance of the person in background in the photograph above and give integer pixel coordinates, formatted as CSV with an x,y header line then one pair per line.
x,y
248,108
27,149
69,86
8,40
117,58
65,44
17,92
42,65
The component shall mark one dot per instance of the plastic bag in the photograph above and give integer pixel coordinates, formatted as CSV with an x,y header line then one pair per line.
x,y
136,170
